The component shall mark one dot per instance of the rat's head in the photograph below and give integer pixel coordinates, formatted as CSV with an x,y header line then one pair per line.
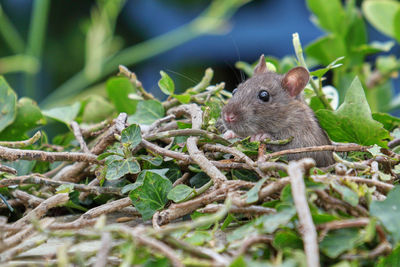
x,y
265,102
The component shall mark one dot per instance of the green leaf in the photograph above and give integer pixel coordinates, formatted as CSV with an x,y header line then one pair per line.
x,y
338,241
198,238
23,167
388,212
166,84
118,89
347,194
393,259
330,14
352,122
64,114
287,239
156,161
118,167
375,151
327,49
28,117
183,99
132,136
321,72
151,195
382,14
8,104
389,122
65,188
180,193
147,112
96,109
252,194
397,25
272,222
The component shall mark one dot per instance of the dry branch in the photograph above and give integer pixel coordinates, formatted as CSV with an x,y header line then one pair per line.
x,y
296,171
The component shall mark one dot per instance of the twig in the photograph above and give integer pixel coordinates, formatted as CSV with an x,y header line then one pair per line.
x,y
196,155
83,195
4,168
21,144
374,171
28,199
349,164
34,179
381,186
78,135
296,171
336,148
299,54
74,172
219,260
170,228
272,188
158,123
95,129
14,154
25,247
240,156
187,132
181,180
138,85
332,202
251,210
41,210
195,98
105,248
247,243
23,234
136,234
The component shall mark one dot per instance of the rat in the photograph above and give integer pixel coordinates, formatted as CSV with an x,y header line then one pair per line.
x,y
270,105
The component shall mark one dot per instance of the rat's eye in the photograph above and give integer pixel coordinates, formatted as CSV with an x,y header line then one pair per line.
x,y
263,95
234,91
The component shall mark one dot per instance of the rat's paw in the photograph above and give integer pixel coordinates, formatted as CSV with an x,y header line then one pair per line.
x,y
229,135
260,137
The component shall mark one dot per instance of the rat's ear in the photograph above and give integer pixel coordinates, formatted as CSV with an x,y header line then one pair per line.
x,y
261,66
295,80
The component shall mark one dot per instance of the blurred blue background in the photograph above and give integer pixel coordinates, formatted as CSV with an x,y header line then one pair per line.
x,y
262,26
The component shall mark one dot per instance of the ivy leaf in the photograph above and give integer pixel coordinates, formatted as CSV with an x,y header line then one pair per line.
x,y
64,114
352,122
166,84
375,151
28,117
252,194
131,135
147,112
180,193
347,194
321,72
118,167
8,104
382,14
118,89
388,212
330,14
389,122
183,99
151,195
338,241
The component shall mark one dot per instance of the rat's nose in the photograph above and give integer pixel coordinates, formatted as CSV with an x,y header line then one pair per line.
x,y
229,117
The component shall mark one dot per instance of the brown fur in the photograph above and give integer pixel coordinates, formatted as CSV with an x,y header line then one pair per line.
x,y
281,117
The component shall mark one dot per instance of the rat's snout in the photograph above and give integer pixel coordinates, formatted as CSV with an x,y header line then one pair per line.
x,y
229,117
